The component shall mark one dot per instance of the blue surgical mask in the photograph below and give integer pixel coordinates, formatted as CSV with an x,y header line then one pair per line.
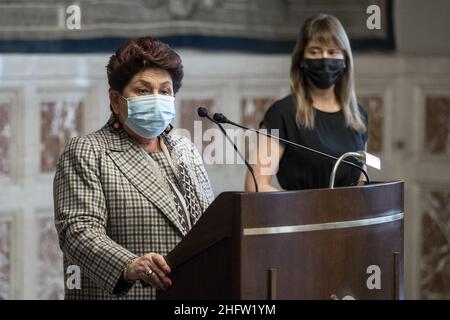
x,y
148,116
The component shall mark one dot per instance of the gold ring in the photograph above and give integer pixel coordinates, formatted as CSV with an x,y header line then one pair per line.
x,y
149,273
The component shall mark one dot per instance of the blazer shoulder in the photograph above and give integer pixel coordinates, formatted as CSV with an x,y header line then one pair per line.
x,y
91,143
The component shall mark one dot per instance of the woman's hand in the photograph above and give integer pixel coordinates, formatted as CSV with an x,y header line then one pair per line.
x,y
362,178
151,268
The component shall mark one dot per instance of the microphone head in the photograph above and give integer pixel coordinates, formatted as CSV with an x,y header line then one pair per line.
x,y
219,117
202,112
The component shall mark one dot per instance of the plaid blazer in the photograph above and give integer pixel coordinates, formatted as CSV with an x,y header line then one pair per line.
x,y
109,208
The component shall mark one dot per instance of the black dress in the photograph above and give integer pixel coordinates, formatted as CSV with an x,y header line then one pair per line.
x,y
301,169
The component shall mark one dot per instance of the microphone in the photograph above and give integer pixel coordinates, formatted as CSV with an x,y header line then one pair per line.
x,y
221,118
203,113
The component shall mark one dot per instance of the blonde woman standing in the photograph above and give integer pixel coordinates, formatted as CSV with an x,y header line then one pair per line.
x,y
321,112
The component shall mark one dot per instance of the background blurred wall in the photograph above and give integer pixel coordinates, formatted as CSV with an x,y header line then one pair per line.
x,y
45,99
421,27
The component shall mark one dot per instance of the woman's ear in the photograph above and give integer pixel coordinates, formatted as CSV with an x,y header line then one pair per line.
x,y
114,101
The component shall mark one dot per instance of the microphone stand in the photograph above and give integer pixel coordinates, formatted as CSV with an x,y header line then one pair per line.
x,y
219,117
203,113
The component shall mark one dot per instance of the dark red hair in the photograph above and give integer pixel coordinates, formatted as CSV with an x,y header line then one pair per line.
x,y
139,54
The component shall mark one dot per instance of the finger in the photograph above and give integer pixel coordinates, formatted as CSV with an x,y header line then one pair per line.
x,y
156,269
143,269
161,262
159,273
165,283
153,280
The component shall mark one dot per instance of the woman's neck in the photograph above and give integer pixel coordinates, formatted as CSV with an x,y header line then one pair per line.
x,y
148,144
324,99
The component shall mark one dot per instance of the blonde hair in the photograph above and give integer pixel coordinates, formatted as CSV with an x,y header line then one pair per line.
x,y
325,29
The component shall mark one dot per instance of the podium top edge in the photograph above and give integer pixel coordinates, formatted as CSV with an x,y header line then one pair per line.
x,y
373,184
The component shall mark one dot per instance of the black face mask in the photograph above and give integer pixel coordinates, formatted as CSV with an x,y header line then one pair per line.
x,y
323,73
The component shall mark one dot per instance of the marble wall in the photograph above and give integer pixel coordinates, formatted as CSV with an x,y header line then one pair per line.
x,y
374,107
5,260
50,284
187,109
435,261
57,97
437,129
60,120
5,132
435,247
253,110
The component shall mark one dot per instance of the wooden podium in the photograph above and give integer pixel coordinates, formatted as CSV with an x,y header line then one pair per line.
x,y
312,244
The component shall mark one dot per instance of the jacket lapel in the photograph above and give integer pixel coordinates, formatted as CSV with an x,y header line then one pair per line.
x,y
132,162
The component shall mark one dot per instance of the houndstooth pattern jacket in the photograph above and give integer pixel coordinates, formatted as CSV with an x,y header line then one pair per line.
x,y
110,208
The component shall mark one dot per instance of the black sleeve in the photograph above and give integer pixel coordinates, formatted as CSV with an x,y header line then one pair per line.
x,y
273,119
123,286
365,116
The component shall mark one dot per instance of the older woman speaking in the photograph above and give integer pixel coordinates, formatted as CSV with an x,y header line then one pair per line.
x,y
126,194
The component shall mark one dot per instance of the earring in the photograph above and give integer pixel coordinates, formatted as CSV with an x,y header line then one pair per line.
x,y
116,122
168,129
